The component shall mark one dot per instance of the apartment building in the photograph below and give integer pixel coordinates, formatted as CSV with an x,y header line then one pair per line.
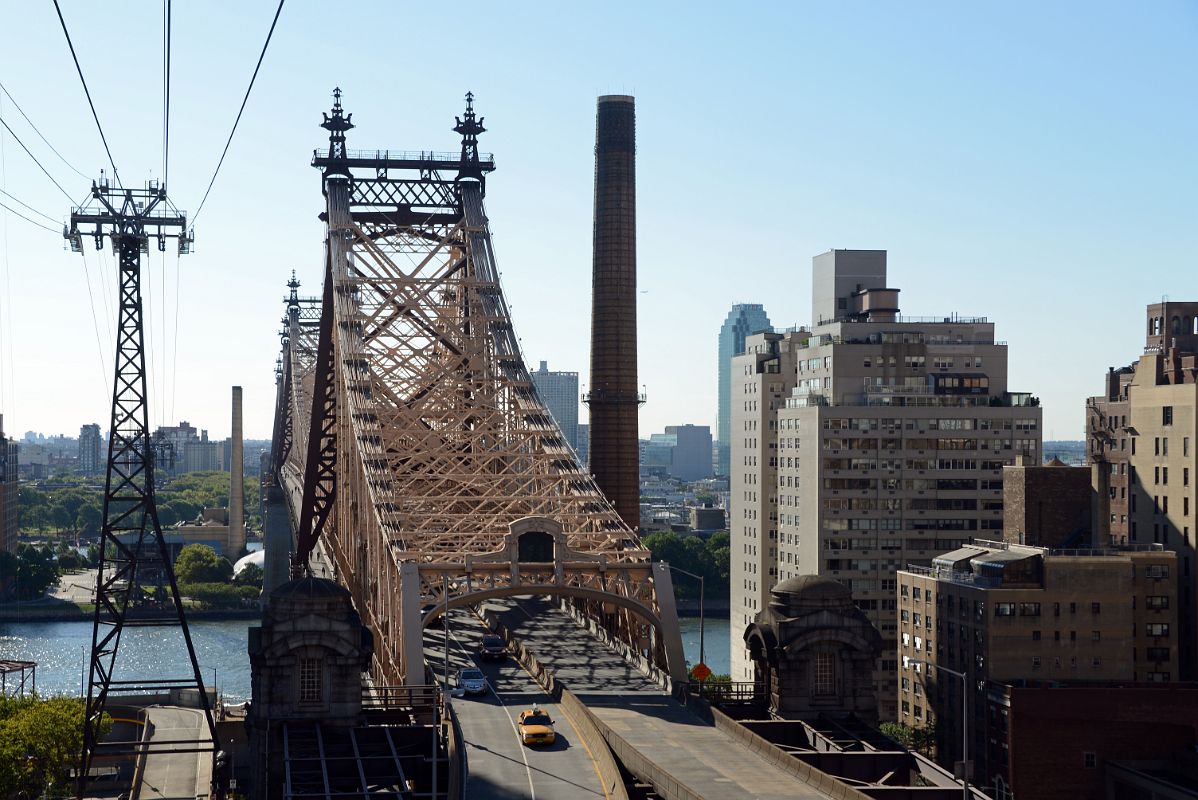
x,y
761,380
9,467
1141,442
882,439
91,460
1002,613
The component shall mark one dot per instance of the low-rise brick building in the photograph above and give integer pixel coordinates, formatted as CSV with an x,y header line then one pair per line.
x,y
998,612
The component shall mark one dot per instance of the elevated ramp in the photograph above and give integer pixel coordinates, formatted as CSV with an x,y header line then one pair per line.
x,y
654,736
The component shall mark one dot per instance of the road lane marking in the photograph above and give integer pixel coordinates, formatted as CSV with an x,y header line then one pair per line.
x,y
523,756
590,755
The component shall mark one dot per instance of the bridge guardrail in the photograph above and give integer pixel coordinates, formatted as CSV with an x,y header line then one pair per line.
x,y
458,766
772,753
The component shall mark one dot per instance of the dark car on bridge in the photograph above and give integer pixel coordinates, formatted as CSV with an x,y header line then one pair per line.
x,y
492,647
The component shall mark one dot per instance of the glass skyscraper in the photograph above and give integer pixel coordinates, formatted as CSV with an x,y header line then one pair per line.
x,y
743,319
559,392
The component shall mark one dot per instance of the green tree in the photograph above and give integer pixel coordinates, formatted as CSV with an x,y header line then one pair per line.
x,y
706,557
220,595
27,574
921,740
199,563
40,740
250,575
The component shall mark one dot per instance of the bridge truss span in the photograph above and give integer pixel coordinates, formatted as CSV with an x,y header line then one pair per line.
x,y
417,451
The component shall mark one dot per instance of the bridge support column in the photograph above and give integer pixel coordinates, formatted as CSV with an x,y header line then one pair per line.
x,y
671,633
411,633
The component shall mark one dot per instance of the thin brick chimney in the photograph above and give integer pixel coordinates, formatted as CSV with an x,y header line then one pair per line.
x,y
236,483
614,398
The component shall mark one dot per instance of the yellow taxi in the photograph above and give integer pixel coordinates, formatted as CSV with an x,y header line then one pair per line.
x,y
535,727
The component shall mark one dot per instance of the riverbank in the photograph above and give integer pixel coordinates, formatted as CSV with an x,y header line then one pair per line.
x,y
75,612
711,608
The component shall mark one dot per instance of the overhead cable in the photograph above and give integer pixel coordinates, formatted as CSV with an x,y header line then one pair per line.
x,y
16,213
166,94
39,133
35,161
20,202
79,69
244,100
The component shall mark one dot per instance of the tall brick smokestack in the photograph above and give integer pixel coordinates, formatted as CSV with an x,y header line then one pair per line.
x,y
614,398
236,482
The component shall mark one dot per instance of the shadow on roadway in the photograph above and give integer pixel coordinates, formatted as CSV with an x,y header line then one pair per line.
x,y
480,787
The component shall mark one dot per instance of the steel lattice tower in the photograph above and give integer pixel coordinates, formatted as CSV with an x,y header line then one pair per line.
x,y
135,574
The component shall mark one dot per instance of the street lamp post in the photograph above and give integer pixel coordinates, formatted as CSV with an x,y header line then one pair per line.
x,y
964,724
702,652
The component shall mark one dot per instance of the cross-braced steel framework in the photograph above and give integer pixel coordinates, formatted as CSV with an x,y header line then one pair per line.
x,y
135,582
421,455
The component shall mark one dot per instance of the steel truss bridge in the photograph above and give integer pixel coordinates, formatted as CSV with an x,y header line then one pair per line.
x,y
409,439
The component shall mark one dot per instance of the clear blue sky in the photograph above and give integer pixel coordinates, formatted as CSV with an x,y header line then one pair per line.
x,y
1030,162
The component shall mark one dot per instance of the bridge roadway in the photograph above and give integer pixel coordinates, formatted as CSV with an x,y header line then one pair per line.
x,y
710,764
169,775
498,765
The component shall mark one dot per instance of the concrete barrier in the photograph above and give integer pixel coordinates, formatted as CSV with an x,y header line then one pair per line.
x,y
139,768
767,750
458,768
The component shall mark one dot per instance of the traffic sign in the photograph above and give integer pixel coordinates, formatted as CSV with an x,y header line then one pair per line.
x,y
701,671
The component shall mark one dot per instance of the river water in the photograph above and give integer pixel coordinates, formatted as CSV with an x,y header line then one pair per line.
x,y
60,649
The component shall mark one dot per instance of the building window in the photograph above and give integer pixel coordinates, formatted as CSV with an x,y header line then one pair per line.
x,y
1089,760
1004,609
1029,609
1096,636
1156,602
1095,608
1035,662
1156,571
1035,636
1158,677
1158,629
1167,415
311,684
825,679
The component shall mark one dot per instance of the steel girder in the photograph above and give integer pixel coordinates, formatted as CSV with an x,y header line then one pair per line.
x,y
443,447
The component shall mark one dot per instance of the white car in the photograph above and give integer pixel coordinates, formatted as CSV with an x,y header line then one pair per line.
x,y
471,680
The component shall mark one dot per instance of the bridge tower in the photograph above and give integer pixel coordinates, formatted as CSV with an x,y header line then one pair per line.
x,y
424,466
135,580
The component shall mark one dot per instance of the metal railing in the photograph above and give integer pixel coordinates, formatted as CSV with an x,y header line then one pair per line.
x,y
396,697
727,691
944,574
402,155
951,319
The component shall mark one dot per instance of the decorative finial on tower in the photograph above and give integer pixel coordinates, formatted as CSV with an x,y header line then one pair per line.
x,y
292,299
337,124
470,127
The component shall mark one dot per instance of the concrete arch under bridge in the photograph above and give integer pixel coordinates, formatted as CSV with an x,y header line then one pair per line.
x,y
644,589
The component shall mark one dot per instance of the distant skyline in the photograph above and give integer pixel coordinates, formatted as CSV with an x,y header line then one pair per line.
x,y
1032,163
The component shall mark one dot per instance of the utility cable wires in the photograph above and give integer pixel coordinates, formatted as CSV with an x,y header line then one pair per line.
x,y
115,175
244,100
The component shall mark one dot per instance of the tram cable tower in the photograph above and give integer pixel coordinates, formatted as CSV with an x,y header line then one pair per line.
x,y
135,585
